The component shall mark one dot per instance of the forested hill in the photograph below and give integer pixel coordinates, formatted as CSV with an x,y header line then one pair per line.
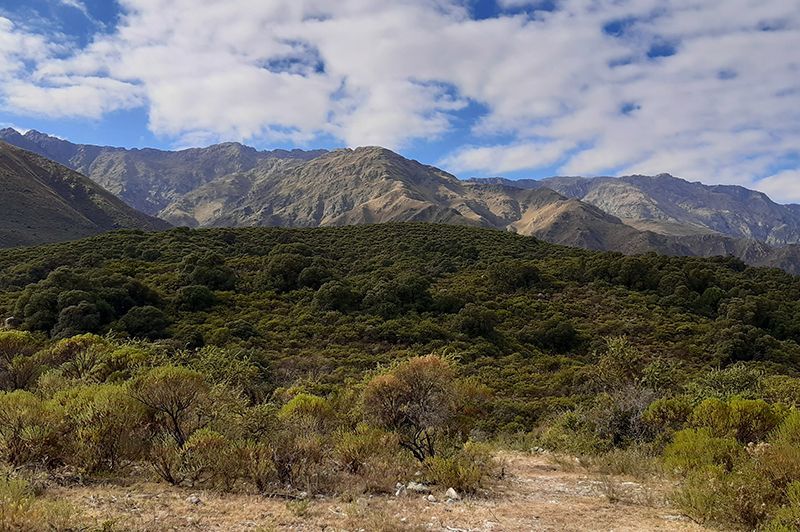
x,y
323,305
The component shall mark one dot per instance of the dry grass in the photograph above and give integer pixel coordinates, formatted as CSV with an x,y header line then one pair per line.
x,y
536,495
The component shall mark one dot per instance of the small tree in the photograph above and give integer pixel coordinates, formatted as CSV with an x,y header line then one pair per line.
x,y
173,393
413,399
146,322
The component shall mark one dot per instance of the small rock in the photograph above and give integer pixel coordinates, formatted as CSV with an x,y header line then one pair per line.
x,y
452,494
430,498
399,489
193,499
302,495
416,487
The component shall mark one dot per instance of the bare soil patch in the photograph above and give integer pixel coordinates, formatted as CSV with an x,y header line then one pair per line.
x,y
537,494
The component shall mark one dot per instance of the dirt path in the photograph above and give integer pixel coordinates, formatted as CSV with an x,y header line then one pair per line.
x,y
536,496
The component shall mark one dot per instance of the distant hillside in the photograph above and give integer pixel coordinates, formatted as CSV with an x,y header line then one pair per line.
x,y
231,185
149,179
375,185
43,201
674,206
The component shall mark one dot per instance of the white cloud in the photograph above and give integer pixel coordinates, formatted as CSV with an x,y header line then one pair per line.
x,y
507,158
783,186
557,87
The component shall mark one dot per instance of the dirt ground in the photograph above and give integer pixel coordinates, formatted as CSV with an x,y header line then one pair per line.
x,y
538,494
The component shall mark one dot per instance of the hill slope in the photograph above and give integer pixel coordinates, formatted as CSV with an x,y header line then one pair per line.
x,y
149,179
46,202
673,206
375,185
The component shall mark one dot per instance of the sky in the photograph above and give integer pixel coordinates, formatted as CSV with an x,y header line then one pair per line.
x,y
708,90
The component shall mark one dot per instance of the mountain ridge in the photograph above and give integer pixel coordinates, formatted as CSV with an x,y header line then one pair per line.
x,y
44,202
671,205
148,179
233,185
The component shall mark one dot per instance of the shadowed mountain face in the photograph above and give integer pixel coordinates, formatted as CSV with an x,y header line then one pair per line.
x,y
43,201
673,206
149,179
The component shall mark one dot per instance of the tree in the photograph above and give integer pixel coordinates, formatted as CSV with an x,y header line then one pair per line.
x,y
207,269
511,275
146,322
174,394
413,399
194,298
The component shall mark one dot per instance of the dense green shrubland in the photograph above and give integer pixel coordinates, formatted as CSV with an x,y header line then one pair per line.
x,y
293,357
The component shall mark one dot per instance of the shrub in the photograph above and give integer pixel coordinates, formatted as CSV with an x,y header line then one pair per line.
x,y
508,276
194,298
466,471
18,368
309,411
209,270
21,510
352,449
258,465
788,431
166,458
30,428
144,322
174,394
106,426
336,295
209,457
694,449
787,518
621,364
667,414
413,399
746,420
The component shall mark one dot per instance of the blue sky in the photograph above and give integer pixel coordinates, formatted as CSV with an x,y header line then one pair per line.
x,y
705,89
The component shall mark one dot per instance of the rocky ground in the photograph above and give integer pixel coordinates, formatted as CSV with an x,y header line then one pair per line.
x,y
537,494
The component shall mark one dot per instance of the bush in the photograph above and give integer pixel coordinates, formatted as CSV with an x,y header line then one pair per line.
x,y
413,399
787,518
745,420
105,424
694,449
209,457
30,429
466,471
21,510
667,414
144,322
174,394
194,298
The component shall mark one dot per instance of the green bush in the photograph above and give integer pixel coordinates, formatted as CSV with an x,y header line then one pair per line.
x,y
744,419
31,429
195,298
174,395
210,458
694,449
106,426
466,471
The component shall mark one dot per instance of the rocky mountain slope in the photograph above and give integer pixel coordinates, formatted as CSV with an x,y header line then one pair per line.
x,y
376,185
237,186
149,179
43,201
674,206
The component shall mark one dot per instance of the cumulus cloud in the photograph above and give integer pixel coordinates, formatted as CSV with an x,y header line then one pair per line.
x,y
506,158
707,89
785,185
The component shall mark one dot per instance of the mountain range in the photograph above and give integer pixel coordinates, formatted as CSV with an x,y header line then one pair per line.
x,y
233,185
43,201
